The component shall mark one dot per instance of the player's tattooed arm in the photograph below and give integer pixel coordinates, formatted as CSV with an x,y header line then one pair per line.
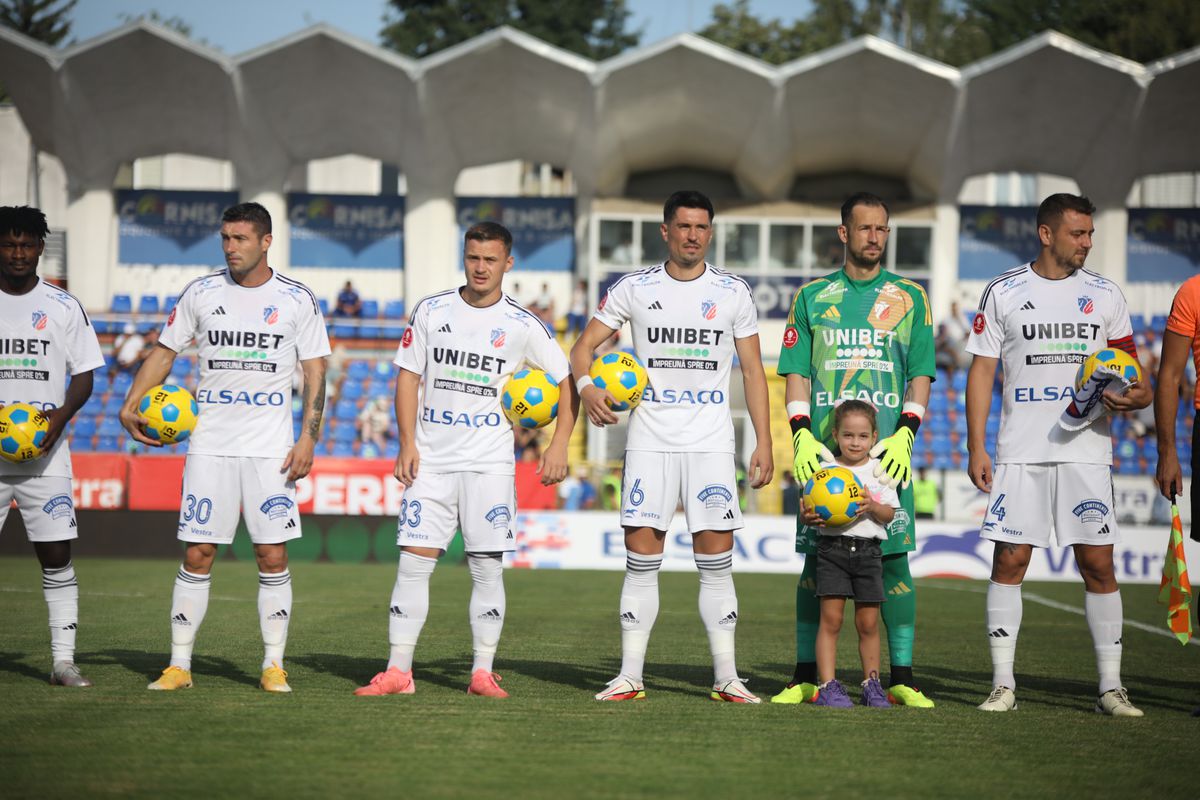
x,y
315,405
300,459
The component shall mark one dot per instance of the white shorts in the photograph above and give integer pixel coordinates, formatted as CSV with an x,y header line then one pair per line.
x,y
1027,500
438,503
217,489
654,484
46,506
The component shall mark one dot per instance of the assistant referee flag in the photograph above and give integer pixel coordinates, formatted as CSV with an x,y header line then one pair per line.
x,y
1175,591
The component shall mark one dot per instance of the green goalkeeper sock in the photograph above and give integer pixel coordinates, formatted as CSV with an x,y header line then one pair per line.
x,y
899,611
808,613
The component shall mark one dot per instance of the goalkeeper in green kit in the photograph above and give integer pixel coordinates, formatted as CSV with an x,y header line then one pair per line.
x,y
860,333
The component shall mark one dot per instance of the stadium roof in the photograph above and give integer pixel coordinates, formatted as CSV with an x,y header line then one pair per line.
x,y
1049,104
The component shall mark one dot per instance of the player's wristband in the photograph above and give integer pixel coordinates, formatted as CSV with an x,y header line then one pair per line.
x,y
800,422
583,383
910,417
799,408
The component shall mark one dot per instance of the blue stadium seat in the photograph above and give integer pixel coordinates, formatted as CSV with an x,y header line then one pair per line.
x,y
100,326
368,331
940,377
377,387
182,368
1128,466
959,381
148,304
938,402
358,368
344,433
83,427
941,445
942,461
1159,323
391,448
108,444
384,369
323,304
342,450
110,426
393,309
391,331
169,303
351,390
345,410
94,405
370,309
113,403
1138,321
99,381
342,330
121,382
122,304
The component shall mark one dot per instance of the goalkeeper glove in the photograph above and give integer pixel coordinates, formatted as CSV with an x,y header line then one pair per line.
x,y
895,452
807,452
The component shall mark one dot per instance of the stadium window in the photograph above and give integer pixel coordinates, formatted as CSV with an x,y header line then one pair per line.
x,y
654,249
786,247
912,246
827,252
741,245
616,241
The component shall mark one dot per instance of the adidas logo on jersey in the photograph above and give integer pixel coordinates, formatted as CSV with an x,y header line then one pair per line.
x,y
72,523
508,535
219,311
655,306
291,523
999,633
180,619
445,328
630,617
729,619
831,313
491,616
728,514
278,616
1028,306
398,613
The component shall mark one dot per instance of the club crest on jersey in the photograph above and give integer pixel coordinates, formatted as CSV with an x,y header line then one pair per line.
x,y
603,300
270,315
1085,304
709,309
406,338
979,324
39,320
497,337
171,317
882,310
790,336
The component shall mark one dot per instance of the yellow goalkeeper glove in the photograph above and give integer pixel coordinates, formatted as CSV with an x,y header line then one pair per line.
x,y
895,452
807,452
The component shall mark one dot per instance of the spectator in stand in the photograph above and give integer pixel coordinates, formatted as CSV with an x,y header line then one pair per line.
x,y
543,306
575,493
348,302
128,350
577,313
956,326
373,423
946,352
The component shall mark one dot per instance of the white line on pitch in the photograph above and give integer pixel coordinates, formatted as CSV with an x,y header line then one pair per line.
x,y
26,590
1037,598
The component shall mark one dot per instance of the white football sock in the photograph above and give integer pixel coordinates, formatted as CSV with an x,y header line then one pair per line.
x,y
409,608
718,610
62,599
639,610
189,602
1105,618
487,607
274,614
1004,610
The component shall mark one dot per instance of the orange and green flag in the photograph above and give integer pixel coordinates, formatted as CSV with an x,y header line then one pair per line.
x,y
1175,591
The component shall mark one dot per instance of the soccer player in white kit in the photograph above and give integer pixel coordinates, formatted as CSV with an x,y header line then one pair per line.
x,y
456,450
251,325
1041,320
45,338
688,320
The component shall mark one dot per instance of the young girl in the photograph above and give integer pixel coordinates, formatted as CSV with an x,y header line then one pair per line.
x,y
850,561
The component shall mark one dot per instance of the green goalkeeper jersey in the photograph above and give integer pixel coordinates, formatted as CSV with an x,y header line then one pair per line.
x,y
861,340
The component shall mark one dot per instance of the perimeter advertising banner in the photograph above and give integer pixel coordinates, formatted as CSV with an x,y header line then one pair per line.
x,y
543,228
157,226
992,239
1163,244
340,230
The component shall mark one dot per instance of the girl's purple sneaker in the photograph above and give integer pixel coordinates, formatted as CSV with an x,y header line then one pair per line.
x,y
833,695
873,695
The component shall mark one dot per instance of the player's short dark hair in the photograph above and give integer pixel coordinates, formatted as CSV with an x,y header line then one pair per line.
x,y
1053,207
847,407
253,213
862,199
686,198
489,232
24,219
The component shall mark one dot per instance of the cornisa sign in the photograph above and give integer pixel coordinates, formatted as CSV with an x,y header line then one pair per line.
x,y
337,230
543,228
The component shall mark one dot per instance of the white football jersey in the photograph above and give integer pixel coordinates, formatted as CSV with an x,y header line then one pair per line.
x,y
683,332
1042,330
45,337
465,355
248,342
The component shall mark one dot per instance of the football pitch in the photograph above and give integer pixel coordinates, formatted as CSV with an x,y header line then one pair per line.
x,y
227,738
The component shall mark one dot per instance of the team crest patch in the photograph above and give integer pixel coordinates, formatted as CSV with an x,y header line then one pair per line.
x,y
790,337
59,506
715,496
1090,511
497,337
277,506
406,338
1085,304
709,309
270,315
603,300
39,320
171,317
979,324
499,516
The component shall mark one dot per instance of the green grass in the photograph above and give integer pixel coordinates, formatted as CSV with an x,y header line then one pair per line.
x,y
561,643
